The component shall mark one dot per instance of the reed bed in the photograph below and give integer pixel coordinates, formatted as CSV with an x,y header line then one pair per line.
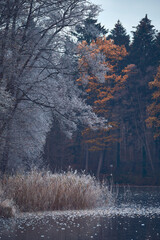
x,y
43,191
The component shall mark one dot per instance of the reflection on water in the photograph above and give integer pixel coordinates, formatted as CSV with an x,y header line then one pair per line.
x,y
135,216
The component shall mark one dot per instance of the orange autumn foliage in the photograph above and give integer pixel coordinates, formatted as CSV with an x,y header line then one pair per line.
x,y
99,68
153,120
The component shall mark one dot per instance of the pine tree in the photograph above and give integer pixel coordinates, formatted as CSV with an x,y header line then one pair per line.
x,y
143,46
89,31
119,35
157,49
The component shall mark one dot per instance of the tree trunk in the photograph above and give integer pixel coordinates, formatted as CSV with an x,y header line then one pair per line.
x,y
4,160
100,163
86,158
118,155
144,172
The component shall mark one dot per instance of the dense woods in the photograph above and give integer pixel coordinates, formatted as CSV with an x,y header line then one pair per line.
x,y
73,93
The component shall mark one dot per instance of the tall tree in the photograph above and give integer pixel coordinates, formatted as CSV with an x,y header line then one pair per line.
x,y
34,73
143,46
89,30
119,35
157,49
102,88
154,108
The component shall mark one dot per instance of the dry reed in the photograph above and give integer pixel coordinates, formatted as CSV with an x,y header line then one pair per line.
x,y
7,208
43,191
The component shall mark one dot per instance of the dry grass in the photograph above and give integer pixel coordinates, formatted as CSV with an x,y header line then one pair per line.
x,y
43,191
7,208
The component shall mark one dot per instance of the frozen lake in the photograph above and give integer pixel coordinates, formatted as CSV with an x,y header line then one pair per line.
x,y
135,216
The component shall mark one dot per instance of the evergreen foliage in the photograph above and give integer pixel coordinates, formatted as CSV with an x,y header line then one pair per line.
x,y
119,35
52,87
89,31
143,46
157,47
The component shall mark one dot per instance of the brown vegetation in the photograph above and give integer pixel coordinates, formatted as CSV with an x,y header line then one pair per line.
x,y
7,208
43,191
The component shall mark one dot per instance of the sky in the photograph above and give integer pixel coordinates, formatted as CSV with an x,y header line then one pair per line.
x,y
129,12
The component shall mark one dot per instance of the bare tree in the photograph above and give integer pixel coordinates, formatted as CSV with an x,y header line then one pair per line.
x,y
38,75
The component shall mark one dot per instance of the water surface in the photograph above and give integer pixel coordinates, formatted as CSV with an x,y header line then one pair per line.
x,y
134,216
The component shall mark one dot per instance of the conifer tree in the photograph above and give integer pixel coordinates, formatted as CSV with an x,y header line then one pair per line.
x,y
89,31
157,48
119,35
143,46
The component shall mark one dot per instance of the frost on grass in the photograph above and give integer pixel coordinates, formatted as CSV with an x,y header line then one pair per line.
x,y
43,191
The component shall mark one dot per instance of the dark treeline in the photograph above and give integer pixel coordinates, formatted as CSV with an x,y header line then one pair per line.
x,y
73,93
130,151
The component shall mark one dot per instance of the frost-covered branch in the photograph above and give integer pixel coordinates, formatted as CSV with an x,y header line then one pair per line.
x,y
40,80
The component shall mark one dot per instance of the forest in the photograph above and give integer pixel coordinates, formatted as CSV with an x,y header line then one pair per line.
x,y
75,95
